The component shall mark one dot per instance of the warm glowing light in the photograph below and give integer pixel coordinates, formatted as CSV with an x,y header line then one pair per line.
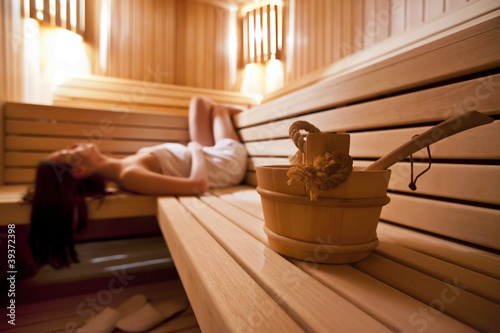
x,y
39,15
72,14
251,37
63,12
104,35
273,31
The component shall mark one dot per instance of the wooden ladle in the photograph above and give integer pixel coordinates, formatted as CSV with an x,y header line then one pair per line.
x,y
441,131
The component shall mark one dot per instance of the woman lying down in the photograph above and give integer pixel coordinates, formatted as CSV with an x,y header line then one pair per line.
x,y
214,158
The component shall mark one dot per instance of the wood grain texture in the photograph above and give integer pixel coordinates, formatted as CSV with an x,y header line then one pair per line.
x,y
183,41
219,304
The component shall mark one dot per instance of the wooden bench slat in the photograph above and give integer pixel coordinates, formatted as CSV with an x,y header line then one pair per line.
x,y
100,95
445,218
19,175
116,117
114,206
47,144
386,304
238,216
479,284
456,181
392,308
113,83
406,109
310,303
244,197
121,106
93,131
459,254
219,304
481,43
30,159
477,143
449,298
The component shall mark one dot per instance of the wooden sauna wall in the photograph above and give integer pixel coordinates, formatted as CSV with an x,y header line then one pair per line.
x,y
12,39
325,31
182,42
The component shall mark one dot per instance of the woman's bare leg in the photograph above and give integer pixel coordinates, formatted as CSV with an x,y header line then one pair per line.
x,y
200,121
222,125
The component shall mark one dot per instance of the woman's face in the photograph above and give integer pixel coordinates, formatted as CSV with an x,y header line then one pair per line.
x,y
74,155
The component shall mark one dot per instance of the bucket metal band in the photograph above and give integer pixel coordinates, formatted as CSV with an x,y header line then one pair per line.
x,y
322,201
321,247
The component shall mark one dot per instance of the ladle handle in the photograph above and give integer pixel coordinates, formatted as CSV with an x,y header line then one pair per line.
x,y
441,131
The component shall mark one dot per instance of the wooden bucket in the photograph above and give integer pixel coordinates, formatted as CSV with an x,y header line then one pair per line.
x,y
340,226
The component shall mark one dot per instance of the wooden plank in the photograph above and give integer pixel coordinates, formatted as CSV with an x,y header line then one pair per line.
x,y
47,144
393,308
241,218
243,197
94,132
121,117
478,284
449,180
478,260
472,224
219,304
114,206
101,82
310,303
450,298
2,141
477,143
119,98
120,106
475,183
432,57
425,106
31,159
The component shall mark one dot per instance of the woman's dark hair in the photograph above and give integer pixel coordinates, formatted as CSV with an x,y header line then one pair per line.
x,y
59,208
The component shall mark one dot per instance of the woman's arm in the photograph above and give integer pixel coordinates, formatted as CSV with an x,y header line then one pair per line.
x,y
141,180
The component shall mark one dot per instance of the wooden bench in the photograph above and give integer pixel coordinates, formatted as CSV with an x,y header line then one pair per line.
x,y
106,92
437,268
30,132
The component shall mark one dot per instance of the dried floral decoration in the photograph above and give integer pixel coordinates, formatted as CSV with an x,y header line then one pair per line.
x,y
326,172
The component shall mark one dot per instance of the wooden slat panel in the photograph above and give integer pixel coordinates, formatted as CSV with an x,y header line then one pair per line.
x,y
373,21
200,275
393,308
120,106
448,298
76,94
132,46
476,143
475,183
312,305
433,59
97,82
430,105
478,284
471,182
30,159
92,132
19,175
472,224
122,117
115,206
462,255
26,143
